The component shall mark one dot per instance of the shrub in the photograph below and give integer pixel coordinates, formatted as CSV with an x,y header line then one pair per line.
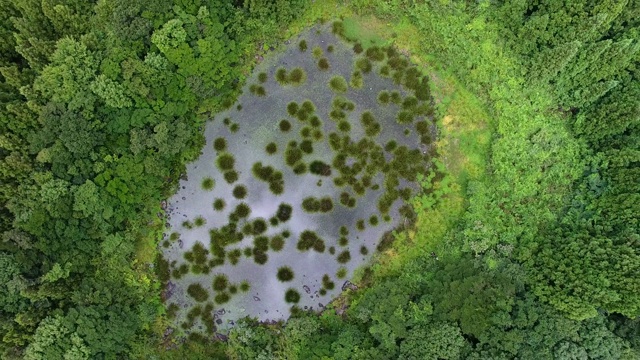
x,y
302,45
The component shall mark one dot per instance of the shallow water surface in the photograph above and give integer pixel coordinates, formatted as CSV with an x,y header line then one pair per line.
x,y
387,171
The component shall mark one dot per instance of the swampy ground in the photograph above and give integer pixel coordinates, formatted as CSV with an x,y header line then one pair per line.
x,y
300,182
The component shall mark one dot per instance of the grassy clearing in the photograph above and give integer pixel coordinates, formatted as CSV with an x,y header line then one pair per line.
x,y
463,145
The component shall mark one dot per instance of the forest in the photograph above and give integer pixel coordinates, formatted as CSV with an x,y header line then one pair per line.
x,y
525,239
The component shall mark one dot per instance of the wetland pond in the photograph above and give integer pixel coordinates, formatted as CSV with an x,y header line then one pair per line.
x,y
298,182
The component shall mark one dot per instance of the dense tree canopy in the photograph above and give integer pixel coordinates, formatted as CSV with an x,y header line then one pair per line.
x,y
102,103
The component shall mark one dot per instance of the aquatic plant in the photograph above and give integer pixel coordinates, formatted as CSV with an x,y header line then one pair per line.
x,y
412,78
222,298
344,126
281,76
199,221
326,204
297,76
260,258
292,108
292,296
356,81
338,84
225,161
409,103
300,168
277,243
370,125
302,115
292,155
285,125
310,204
197,292
284,212
220,144
218,205
207,184
239,192
320,168
364,65
385,71
309,239
220,282
315,121
374,53
259,226
344,257
234,256
423,91
285,274
383,97
317,52
261,243
327,283
230,176
323,64
337,27
242,210
271,148
395,97
404,117
308,106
